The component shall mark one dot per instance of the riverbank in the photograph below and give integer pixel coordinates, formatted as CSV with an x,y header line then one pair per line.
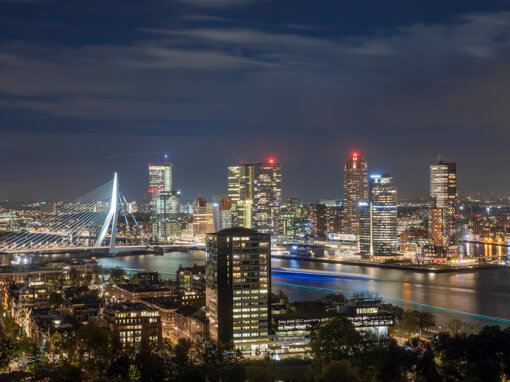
x,y
402,267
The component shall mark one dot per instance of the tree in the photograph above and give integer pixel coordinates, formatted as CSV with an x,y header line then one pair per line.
x,y
74,276
259,371
89,277
117,274
335,340
8,348
94,349
424,320
334,297
339,371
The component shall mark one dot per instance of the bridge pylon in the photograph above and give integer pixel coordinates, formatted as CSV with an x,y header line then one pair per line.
x,y
111,218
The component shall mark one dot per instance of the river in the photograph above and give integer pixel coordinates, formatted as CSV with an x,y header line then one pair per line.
x,y
448,295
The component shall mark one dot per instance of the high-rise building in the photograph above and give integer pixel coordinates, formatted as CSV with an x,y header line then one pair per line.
x,y
443,193
165,210
318,220
160,177
378,218
255,192
355,189
365,226
203,218
240,192
225,214
324,220
164,203
291,212
335,219
238,286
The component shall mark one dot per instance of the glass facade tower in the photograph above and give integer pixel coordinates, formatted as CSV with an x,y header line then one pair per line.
x,y
443,193
355,189
378,218
255,191
164,203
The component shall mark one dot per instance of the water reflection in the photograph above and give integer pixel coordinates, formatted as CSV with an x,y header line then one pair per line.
x,y
484,292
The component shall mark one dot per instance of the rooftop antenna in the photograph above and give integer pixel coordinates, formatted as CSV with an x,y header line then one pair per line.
x,y
439,158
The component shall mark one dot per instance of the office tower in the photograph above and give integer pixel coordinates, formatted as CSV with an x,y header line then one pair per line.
x,y
443,193
164,203
255,192
160,177
383,199
291,211
378,218
324,220
365,225
238,282
436,226
318,220
335,216
203,218
240,192
355,189
225,214
165,210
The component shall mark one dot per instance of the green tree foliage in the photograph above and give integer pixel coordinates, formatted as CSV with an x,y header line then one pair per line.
x,y
88,278
339,371
10,343
336,340
74,277
117,274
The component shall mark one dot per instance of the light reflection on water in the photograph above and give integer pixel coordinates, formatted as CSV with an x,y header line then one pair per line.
x,y
485,292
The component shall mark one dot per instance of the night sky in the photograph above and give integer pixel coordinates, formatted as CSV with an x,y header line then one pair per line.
x,y
92,87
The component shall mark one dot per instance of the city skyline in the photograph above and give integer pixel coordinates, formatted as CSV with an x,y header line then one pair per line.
x,y
140,188
254,190
219,83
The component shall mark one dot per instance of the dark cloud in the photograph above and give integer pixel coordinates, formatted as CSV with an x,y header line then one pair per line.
x,y
219,90
216,3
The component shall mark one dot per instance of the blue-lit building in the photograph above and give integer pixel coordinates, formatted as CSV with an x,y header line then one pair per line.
x,y
378,218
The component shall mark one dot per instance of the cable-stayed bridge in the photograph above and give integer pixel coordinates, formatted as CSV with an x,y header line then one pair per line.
x,y
87,222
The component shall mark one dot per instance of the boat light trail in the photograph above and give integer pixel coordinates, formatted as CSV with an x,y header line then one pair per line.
x,y
431,307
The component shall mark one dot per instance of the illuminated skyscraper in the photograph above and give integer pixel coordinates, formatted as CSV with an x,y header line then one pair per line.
x,y
378,218
203,218
365,225
164,203
165,210
160,177
238,280
225,214
443,192
355,189
240,192
255,192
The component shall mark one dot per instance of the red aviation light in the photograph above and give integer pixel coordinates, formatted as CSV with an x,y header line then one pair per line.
x,y
271,161
355,154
